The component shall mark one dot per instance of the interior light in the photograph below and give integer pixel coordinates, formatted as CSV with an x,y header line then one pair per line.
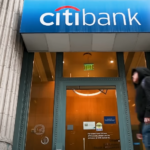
x,y
111,61
82,94
133,105
63,62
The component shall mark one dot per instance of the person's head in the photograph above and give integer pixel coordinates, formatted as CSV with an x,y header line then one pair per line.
x,y
135,77
138,74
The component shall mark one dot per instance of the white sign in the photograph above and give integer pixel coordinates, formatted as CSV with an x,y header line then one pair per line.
x,y
98,136
45,140
89,125
39,129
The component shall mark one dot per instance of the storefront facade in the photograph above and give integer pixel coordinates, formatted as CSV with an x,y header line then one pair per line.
x,y
60,90
66,83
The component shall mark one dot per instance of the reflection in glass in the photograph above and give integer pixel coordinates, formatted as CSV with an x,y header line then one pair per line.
x,y
40,120
94,64
92,121
133,60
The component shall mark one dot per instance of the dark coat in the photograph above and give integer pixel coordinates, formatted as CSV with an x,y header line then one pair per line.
x,y
142,99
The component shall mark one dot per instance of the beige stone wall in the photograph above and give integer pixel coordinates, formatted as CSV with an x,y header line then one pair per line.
x,y
11,53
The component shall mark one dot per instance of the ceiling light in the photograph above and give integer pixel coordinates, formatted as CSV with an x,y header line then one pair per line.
x,y
63,62
82,94
133,105
111,61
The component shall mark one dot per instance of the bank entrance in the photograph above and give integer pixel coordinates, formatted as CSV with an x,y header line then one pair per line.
x,y
92,118
78,102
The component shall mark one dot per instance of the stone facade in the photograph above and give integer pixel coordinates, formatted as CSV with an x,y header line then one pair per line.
x,y
11,53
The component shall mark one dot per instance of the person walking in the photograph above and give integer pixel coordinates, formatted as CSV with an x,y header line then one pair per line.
x,y
141,80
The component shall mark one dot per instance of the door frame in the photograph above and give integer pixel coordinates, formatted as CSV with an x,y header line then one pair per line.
x,y
61,83
61,130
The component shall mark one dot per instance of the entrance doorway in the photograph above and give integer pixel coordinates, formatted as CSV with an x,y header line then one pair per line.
x,y
79,112
92,119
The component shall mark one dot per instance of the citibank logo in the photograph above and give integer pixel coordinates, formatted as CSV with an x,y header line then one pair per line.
x,y
96,18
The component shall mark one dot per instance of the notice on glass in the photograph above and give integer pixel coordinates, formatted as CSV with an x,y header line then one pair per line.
x,y
89,125
98,136
99,127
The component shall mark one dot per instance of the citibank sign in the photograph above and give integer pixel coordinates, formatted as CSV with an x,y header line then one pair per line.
x,y
85,16
67,15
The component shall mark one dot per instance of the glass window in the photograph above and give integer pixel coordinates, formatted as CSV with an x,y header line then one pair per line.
x,y
92,120
40,120
94,64
133,60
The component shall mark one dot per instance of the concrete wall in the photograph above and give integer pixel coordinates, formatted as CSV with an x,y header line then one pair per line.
x,y
11,51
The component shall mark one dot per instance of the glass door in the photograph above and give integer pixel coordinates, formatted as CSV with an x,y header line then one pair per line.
x,y
92,120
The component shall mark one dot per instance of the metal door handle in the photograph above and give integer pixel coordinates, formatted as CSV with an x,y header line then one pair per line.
x,y
83,143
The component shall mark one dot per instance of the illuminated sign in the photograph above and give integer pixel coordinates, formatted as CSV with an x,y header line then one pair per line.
x,y
67,14
46,16
88,67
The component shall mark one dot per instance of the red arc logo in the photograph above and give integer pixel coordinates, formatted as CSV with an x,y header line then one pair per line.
x,y
63,7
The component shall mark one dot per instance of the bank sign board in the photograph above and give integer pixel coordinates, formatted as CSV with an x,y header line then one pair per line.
x,y
84,16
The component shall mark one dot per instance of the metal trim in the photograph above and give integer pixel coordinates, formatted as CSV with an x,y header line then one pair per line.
x,y
122,102
23,102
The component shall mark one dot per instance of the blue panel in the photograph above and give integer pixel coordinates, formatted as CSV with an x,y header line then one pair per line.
x,y
91,16
110,120
136,143
69,127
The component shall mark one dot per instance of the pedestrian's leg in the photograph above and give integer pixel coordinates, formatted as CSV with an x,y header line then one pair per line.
x,y
146,136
